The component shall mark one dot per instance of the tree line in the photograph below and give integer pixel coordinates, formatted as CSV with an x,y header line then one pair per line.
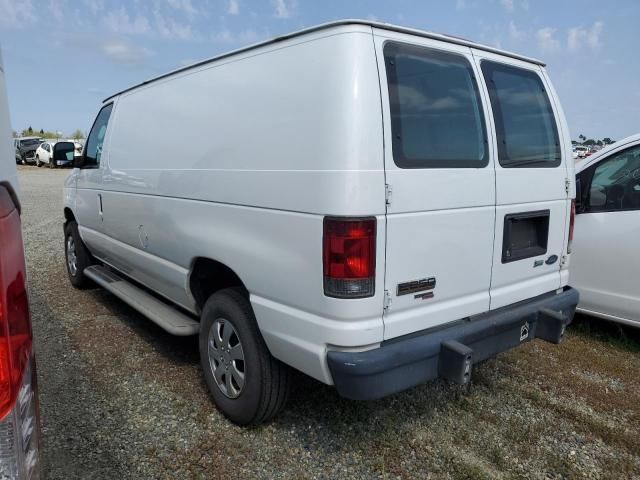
x,y
30,132
590,141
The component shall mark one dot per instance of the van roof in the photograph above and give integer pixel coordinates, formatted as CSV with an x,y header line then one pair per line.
x,y
337,23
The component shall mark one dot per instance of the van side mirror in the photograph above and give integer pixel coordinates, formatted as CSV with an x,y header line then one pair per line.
x,y
78,162
63,152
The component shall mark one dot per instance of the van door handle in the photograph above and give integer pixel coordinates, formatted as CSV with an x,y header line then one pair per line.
x,y
100,206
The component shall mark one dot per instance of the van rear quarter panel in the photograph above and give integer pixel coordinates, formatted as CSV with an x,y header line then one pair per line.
x,y
239,161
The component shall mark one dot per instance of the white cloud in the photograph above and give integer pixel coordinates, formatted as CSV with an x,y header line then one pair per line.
x,y
184,6
119,21
233,8
580,36
124,52
55,7
16,14
242,38
507,4
169,28
514,32
546,40
95,6
282,9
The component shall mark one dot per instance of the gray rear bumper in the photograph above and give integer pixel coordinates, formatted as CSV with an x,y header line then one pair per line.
x,y
450,351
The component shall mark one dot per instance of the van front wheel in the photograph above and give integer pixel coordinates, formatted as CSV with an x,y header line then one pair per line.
x,y
77,256
247,384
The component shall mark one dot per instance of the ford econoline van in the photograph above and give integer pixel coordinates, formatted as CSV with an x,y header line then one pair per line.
x,y
374,206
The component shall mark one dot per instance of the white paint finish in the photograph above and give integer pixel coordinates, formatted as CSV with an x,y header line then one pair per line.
x,y
7,156
261,129
256,149
606,261
512,282
450,235
454,246
301,339
606,258
520,190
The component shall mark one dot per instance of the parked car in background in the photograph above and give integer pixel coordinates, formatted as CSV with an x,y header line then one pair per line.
x,y
78,149
25,149
45,154
19,413
581,150
424,229
605,263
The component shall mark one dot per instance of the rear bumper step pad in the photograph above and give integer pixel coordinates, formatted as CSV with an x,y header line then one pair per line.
x,y
450,352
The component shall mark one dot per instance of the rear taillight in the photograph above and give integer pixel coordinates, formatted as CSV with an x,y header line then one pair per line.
x,y
572,221
19,434
349,257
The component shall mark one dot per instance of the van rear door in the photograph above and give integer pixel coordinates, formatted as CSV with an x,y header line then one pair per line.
x,y
441,183
532,182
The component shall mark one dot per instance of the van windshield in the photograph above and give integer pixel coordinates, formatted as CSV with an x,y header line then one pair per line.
x,y
525,125
436,115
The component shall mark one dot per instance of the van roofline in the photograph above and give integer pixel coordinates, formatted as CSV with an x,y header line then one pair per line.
x,y
337,23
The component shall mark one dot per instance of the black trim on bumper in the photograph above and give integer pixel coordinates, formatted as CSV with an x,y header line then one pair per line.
x,y
450,351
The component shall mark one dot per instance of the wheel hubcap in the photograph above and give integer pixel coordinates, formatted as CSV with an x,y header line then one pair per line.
x,y
226,358
72,259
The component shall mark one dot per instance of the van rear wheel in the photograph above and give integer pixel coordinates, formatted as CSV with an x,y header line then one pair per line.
x,y
247,384
77,256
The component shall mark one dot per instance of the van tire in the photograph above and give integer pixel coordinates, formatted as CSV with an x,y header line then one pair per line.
x,y
83,258
267,380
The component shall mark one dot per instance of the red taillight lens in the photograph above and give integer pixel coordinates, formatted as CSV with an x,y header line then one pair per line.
x,y
15,325
349,257
572,221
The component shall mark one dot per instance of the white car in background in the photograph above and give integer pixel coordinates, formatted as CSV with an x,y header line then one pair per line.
x,y
44,154
605,264
580,151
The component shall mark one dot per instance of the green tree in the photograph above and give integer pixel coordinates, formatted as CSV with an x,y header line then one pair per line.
x,y
591,141
607,141
30,130
41,132
582,138
77,135
599,143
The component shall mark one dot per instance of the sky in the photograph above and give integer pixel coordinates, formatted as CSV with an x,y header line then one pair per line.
x,y
63,57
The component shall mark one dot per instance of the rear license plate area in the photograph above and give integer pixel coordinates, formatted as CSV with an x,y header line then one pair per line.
x,y
525,235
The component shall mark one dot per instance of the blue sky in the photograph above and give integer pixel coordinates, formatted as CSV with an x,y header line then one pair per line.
x,y
62,57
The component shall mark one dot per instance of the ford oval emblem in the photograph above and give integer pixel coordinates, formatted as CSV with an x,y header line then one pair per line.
x,y
552,259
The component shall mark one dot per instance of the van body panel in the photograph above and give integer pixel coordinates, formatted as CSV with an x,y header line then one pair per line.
x,y
527,189
440,221
240,159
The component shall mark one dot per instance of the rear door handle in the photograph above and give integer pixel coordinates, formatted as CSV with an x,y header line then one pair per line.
x,y
100,206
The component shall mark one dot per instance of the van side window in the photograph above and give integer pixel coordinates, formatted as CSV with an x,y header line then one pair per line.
x,y
616,183
525,125
93,150
436,113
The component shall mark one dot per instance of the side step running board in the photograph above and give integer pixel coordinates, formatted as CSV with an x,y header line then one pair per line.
x,y
156,310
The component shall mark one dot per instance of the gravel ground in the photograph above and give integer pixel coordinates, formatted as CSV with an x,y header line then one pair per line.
x,y
122,399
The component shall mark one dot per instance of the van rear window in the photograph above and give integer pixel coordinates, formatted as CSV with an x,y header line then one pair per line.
x,y
436,114
525,125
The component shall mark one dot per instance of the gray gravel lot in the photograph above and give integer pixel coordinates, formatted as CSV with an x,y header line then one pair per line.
x,y
122,399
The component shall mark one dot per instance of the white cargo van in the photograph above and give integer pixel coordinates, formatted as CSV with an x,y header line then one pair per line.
x,y
371,205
